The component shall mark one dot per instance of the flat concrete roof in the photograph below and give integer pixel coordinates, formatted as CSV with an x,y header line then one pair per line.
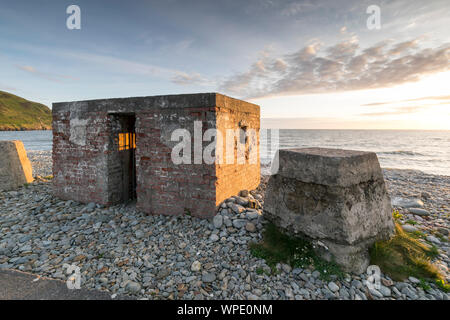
x,y
177,101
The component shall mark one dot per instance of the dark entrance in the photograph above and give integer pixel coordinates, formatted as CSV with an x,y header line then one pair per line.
x,y
123,158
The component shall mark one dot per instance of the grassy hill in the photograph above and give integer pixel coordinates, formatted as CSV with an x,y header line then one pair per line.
x,y
17,113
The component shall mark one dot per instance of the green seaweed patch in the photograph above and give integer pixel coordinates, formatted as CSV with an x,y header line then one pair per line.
x,y
276,247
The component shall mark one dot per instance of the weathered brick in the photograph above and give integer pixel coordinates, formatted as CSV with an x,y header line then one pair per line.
x,y
86,160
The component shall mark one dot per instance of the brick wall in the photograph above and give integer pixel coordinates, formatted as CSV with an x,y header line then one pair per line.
x,y
80,165
231,178
86,166
163,187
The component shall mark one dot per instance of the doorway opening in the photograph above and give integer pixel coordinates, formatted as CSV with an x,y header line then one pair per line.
x,y
125,151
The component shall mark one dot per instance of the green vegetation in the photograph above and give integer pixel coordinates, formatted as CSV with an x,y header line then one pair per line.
x,y
418,234
17,113
442,285
261,271
411,222
277,247
424,285
440,237
397,215
400,257
403,256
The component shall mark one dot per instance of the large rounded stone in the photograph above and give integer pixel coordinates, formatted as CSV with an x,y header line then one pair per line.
x,y
218,221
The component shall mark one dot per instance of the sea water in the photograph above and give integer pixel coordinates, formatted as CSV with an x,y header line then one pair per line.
x,y
428,151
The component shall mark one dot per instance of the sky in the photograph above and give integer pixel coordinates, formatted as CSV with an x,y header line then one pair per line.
x,y
308,64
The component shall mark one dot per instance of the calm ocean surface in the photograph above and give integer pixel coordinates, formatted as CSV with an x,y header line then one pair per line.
x,y
428,151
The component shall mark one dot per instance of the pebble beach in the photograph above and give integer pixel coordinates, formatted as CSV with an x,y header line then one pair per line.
x,y
122,251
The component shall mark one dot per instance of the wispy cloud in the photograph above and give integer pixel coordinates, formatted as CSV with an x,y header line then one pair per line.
x,y
45,75
431,101
294,8
183,78
396,111
439,98
402,47
341,67
138,68
114,64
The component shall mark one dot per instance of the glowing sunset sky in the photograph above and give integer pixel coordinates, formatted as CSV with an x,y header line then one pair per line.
x,y
308,64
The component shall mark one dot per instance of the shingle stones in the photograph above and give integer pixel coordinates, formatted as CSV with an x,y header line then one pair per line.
x,y
15,168
336,198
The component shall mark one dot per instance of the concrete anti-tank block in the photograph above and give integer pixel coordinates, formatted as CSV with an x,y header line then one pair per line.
x,y
15,168
336,198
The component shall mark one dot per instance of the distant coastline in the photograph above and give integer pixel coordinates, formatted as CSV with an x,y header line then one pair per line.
x,y
19,114
25,129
